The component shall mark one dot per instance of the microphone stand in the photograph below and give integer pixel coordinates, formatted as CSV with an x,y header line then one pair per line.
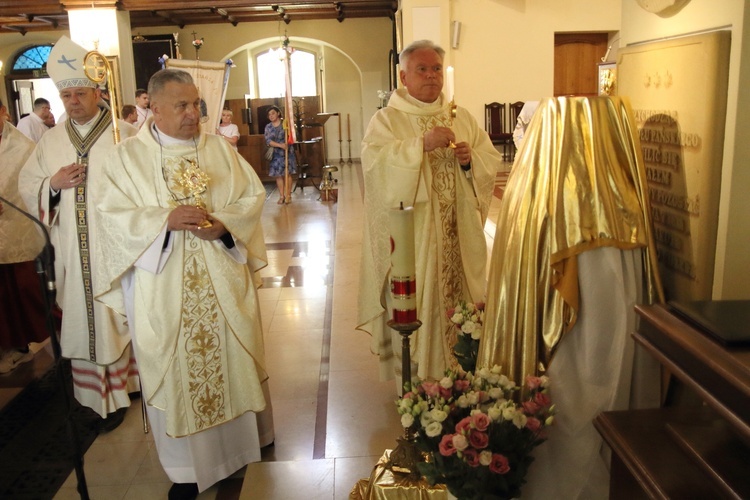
x,y
45,268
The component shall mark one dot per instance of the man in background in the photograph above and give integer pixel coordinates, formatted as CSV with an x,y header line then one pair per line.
x,y
34,124
56,183
182,272
414,151
141,106
129,114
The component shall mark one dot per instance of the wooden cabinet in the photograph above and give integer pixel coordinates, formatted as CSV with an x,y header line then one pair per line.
x,y
684,451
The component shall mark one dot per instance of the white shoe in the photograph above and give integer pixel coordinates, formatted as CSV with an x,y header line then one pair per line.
x,y
12,359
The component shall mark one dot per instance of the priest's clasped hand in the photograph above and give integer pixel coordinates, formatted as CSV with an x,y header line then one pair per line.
x,y
68,176
463,153
438,137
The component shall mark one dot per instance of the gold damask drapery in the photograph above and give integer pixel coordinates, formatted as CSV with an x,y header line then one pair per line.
x,y
578,183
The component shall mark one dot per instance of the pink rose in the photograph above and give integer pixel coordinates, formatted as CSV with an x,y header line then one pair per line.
x,y
431,388
471,457
446,446
445,393
533,382
499,464
542,399
451,312
478,439
480,421
461,385
464,426
533,424
530,407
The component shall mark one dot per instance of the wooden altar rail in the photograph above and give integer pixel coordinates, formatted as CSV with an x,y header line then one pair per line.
x,y
684,451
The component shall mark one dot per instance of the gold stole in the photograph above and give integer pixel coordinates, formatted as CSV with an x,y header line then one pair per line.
x,y
83,145
202,324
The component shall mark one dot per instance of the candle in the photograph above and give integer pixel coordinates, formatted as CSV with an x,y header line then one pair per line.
x,y
449,83
348,128
403,268
339,127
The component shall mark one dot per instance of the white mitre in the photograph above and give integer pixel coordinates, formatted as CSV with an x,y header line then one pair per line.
x,y
65,65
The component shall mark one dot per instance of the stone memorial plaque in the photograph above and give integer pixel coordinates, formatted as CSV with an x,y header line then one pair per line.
x,y
678,91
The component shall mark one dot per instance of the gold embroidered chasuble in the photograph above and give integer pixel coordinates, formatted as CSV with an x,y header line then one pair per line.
x,y
449,220
578,183
197,330
20,239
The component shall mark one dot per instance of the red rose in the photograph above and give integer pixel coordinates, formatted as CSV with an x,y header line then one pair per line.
x,y
533,424
542,399
499,464
464,426
471,457
530,407
478,439
446,445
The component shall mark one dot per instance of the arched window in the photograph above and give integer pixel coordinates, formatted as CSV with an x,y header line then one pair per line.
x,y
271,78
32,58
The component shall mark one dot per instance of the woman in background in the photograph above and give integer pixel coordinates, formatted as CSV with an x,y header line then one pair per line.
x,y
227,129
276,139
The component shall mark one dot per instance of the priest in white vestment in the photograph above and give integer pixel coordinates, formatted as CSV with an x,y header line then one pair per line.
x,y
22,316
414,152
573,254
57,183
187,286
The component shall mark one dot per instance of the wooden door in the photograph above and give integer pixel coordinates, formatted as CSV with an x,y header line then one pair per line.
x,y
576,63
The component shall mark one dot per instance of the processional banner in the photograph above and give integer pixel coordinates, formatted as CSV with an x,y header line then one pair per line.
x,y
211,78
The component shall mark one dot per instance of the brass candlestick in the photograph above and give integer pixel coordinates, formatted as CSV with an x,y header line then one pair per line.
x,y
405,456
196,181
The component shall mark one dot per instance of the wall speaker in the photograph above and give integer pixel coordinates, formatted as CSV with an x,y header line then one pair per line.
x,y
455,34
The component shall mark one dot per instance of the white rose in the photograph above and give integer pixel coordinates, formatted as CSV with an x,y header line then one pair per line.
x,y
434,429
457,318
545,381
407,420
476,334
496,393
426,419
519,420
497,369
484,373
472,398
509,412
468,327
485,457
462,401
495,413
460,442
470,307
405,404
446,382
439,415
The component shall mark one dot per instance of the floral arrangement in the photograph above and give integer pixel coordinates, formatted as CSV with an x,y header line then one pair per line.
x,y
476,439
198,43
468,319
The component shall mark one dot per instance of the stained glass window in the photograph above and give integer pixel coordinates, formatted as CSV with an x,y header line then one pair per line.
x,y
32,58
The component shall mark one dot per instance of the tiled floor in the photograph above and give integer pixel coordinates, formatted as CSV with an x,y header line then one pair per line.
x,y
332,416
